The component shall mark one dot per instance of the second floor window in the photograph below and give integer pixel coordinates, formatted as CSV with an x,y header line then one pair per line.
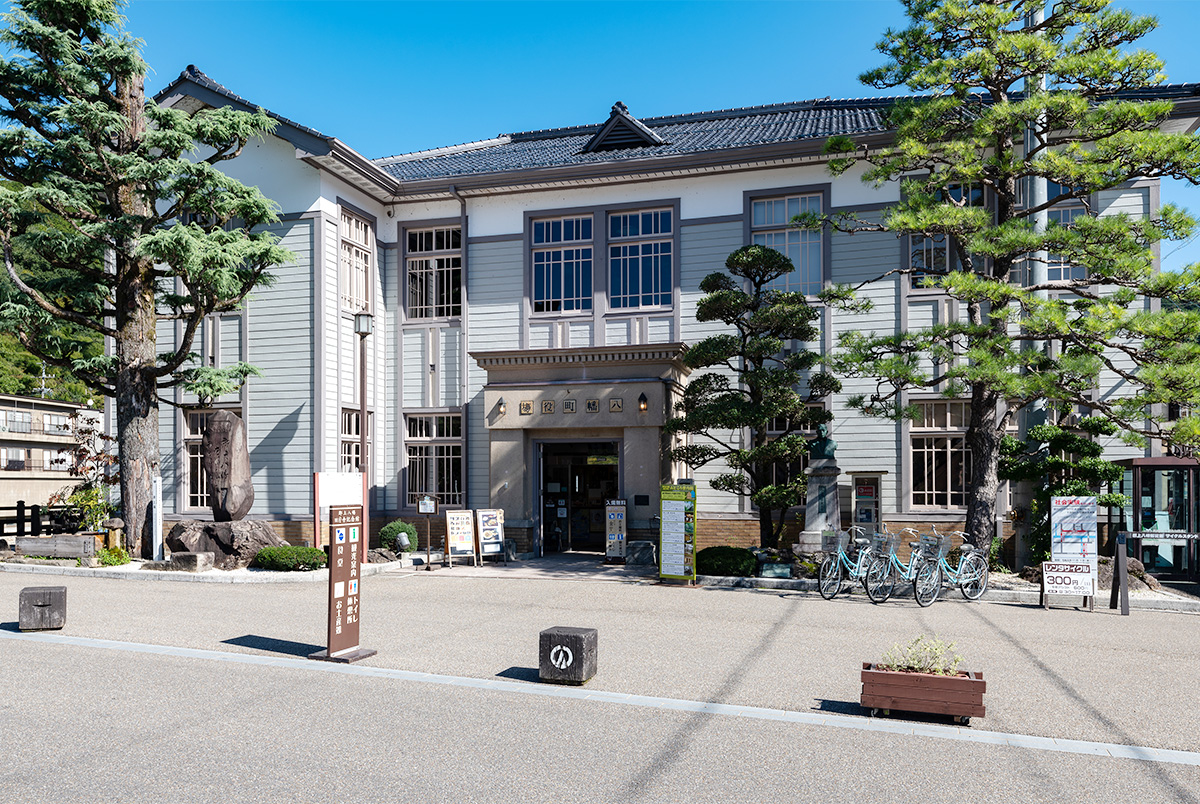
x,y
357,244
770,225
640,259
562,265
435,273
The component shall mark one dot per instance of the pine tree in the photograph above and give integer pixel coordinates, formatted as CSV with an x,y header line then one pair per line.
x,y
128,219
760,392
981,130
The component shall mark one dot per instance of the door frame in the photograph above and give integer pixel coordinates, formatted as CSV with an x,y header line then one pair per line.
x,y
539,445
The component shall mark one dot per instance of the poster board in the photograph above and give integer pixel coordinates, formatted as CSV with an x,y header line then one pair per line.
x,y
491,531
677,534
615,533
1072,569
460,533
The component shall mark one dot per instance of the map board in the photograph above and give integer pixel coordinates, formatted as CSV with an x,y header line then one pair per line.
x,y
677,535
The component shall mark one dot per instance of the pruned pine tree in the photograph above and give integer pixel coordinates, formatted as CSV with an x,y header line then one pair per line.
x,y
964,151
761,391
125,215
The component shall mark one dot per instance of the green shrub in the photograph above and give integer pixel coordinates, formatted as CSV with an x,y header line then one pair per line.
x,y
389,532
736,561
290,558
112,557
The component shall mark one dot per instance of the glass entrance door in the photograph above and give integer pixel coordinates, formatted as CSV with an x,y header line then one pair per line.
x,y
576,480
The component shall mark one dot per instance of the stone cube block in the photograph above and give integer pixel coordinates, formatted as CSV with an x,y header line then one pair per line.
x,y
192,562
567,655
42,608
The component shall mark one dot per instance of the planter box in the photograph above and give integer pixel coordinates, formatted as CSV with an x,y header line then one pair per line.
x,y
959,696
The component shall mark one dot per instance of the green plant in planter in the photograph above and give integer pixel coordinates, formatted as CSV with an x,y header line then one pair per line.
x,y
389,536
924,654
723,560
112,557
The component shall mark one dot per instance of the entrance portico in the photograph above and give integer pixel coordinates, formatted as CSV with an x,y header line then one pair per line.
x,y
570,428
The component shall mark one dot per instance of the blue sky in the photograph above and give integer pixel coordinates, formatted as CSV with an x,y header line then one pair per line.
x,y
390,77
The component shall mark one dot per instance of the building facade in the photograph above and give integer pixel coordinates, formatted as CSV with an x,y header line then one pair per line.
x,y
531,297
37,448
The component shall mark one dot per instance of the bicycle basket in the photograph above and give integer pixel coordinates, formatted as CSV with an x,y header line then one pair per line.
x,y
833,541
933,546
883,543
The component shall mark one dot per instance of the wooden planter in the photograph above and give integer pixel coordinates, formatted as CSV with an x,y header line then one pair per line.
x,y
960,697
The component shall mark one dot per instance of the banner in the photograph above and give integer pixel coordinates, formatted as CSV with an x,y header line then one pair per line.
x,y
677,535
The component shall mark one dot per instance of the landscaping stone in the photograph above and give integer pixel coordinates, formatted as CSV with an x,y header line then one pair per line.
x,y
381,555
567,655
42,608
232,544
227,466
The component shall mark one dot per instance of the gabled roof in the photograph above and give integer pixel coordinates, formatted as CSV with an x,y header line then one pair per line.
x,y
193,91
622,130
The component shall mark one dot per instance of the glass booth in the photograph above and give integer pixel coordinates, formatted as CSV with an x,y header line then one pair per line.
x,y
1162,496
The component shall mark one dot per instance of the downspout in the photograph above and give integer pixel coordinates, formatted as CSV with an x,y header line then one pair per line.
x,y
463,379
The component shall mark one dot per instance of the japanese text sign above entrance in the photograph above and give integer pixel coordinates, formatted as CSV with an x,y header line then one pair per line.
x,y
677,538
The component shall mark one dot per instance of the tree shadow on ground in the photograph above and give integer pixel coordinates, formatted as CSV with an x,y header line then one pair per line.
x,y
272,645
10,627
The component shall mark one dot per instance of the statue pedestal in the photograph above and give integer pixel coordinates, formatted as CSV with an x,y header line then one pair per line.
x,y
822,507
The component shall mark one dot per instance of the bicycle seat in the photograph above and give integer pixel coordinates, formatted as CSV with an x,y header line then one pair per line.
x,y
861,542
914,545
967,548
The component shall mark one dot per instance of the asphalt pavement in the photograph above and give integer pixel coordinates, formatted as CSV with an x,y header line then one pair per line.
x,y
199,692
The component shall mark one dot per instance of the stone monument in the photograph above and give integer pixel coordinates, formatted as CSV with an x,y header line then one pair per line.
x,y
233,540
822,507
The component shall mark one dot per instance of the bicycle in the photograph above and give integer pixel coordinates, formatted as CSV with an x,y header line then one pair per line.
x,y
844,564
921,570
971,574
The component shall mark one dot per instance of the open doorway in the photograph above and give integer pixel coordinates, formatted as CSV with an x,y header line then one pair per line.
x,y
577,478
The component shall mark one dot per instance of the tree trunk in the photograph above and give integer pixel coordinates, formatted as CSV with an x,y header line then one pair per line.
x,y
768,539
983,440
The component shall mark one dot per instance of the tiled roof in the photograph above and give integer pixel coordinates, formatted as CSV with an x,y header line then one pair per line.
x,y
201,79
682,134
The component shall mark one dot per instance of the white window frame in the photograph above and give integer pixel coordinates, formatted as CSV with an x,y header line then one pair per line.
x,y
195,479
941,460
434,451
641,247
357,244
770,226
555,251
349,435
433,258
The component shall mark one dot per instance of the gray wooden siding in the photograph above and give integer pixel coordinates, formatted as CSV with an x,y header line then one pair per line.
x,y
280,409
449,367
495,287
328,427
388,410
415,354
703,250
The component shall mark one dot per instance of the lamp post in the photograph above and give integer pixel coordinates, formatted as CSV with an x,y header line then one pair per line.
x,y
363,323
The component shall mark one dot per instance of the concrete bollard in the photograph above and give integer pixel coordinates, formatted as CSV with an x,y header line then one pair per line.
x,y
42,608
567,655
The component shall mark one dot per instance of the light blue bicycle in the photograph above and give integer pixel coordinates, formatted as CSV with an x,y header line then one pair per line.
x,y
971,574
854,555
921,569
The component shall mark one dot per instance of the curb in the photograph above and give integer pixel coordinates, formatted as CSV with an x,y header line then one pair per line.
x,y
1182,605
210,576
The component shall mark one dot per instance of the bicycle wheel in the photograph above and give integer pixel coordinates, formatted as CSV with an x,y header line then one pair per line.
x,y
830,580
927,584
973,574
880,580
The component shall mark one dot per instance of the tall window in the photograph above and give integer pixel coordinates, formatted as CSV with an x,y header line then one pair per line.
x,y
435,457
941,462
932,255
639,259
356,261
770,220
435,273
1058,268
350,439
562,265
195,423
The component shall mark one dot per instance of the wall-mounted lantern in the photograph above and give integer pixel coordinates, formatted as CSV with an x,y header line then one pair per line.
x,y
643,403
501,406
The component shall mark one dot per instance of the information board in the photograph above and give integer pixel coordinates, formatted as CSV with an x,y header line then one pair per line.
x,y
677,537
460,533
1072,569
491,531
614,531
345,539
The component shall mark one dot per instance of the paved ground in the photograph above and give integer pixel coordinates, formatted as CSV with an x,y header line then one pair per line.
x,y
92,721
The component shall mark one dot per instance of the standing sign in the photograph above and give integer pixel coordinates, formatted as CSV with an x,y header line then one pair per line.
x,y
347,537
460,533
614,531
1072,569
491,532
677,539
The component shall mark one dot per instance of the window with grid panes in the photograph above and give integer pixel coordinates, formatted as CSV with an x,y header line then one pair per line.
x,y
434,447
435,272
941,462
640,261
932,255
195,422
350,440
562,265
770,225
16,421
357,243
